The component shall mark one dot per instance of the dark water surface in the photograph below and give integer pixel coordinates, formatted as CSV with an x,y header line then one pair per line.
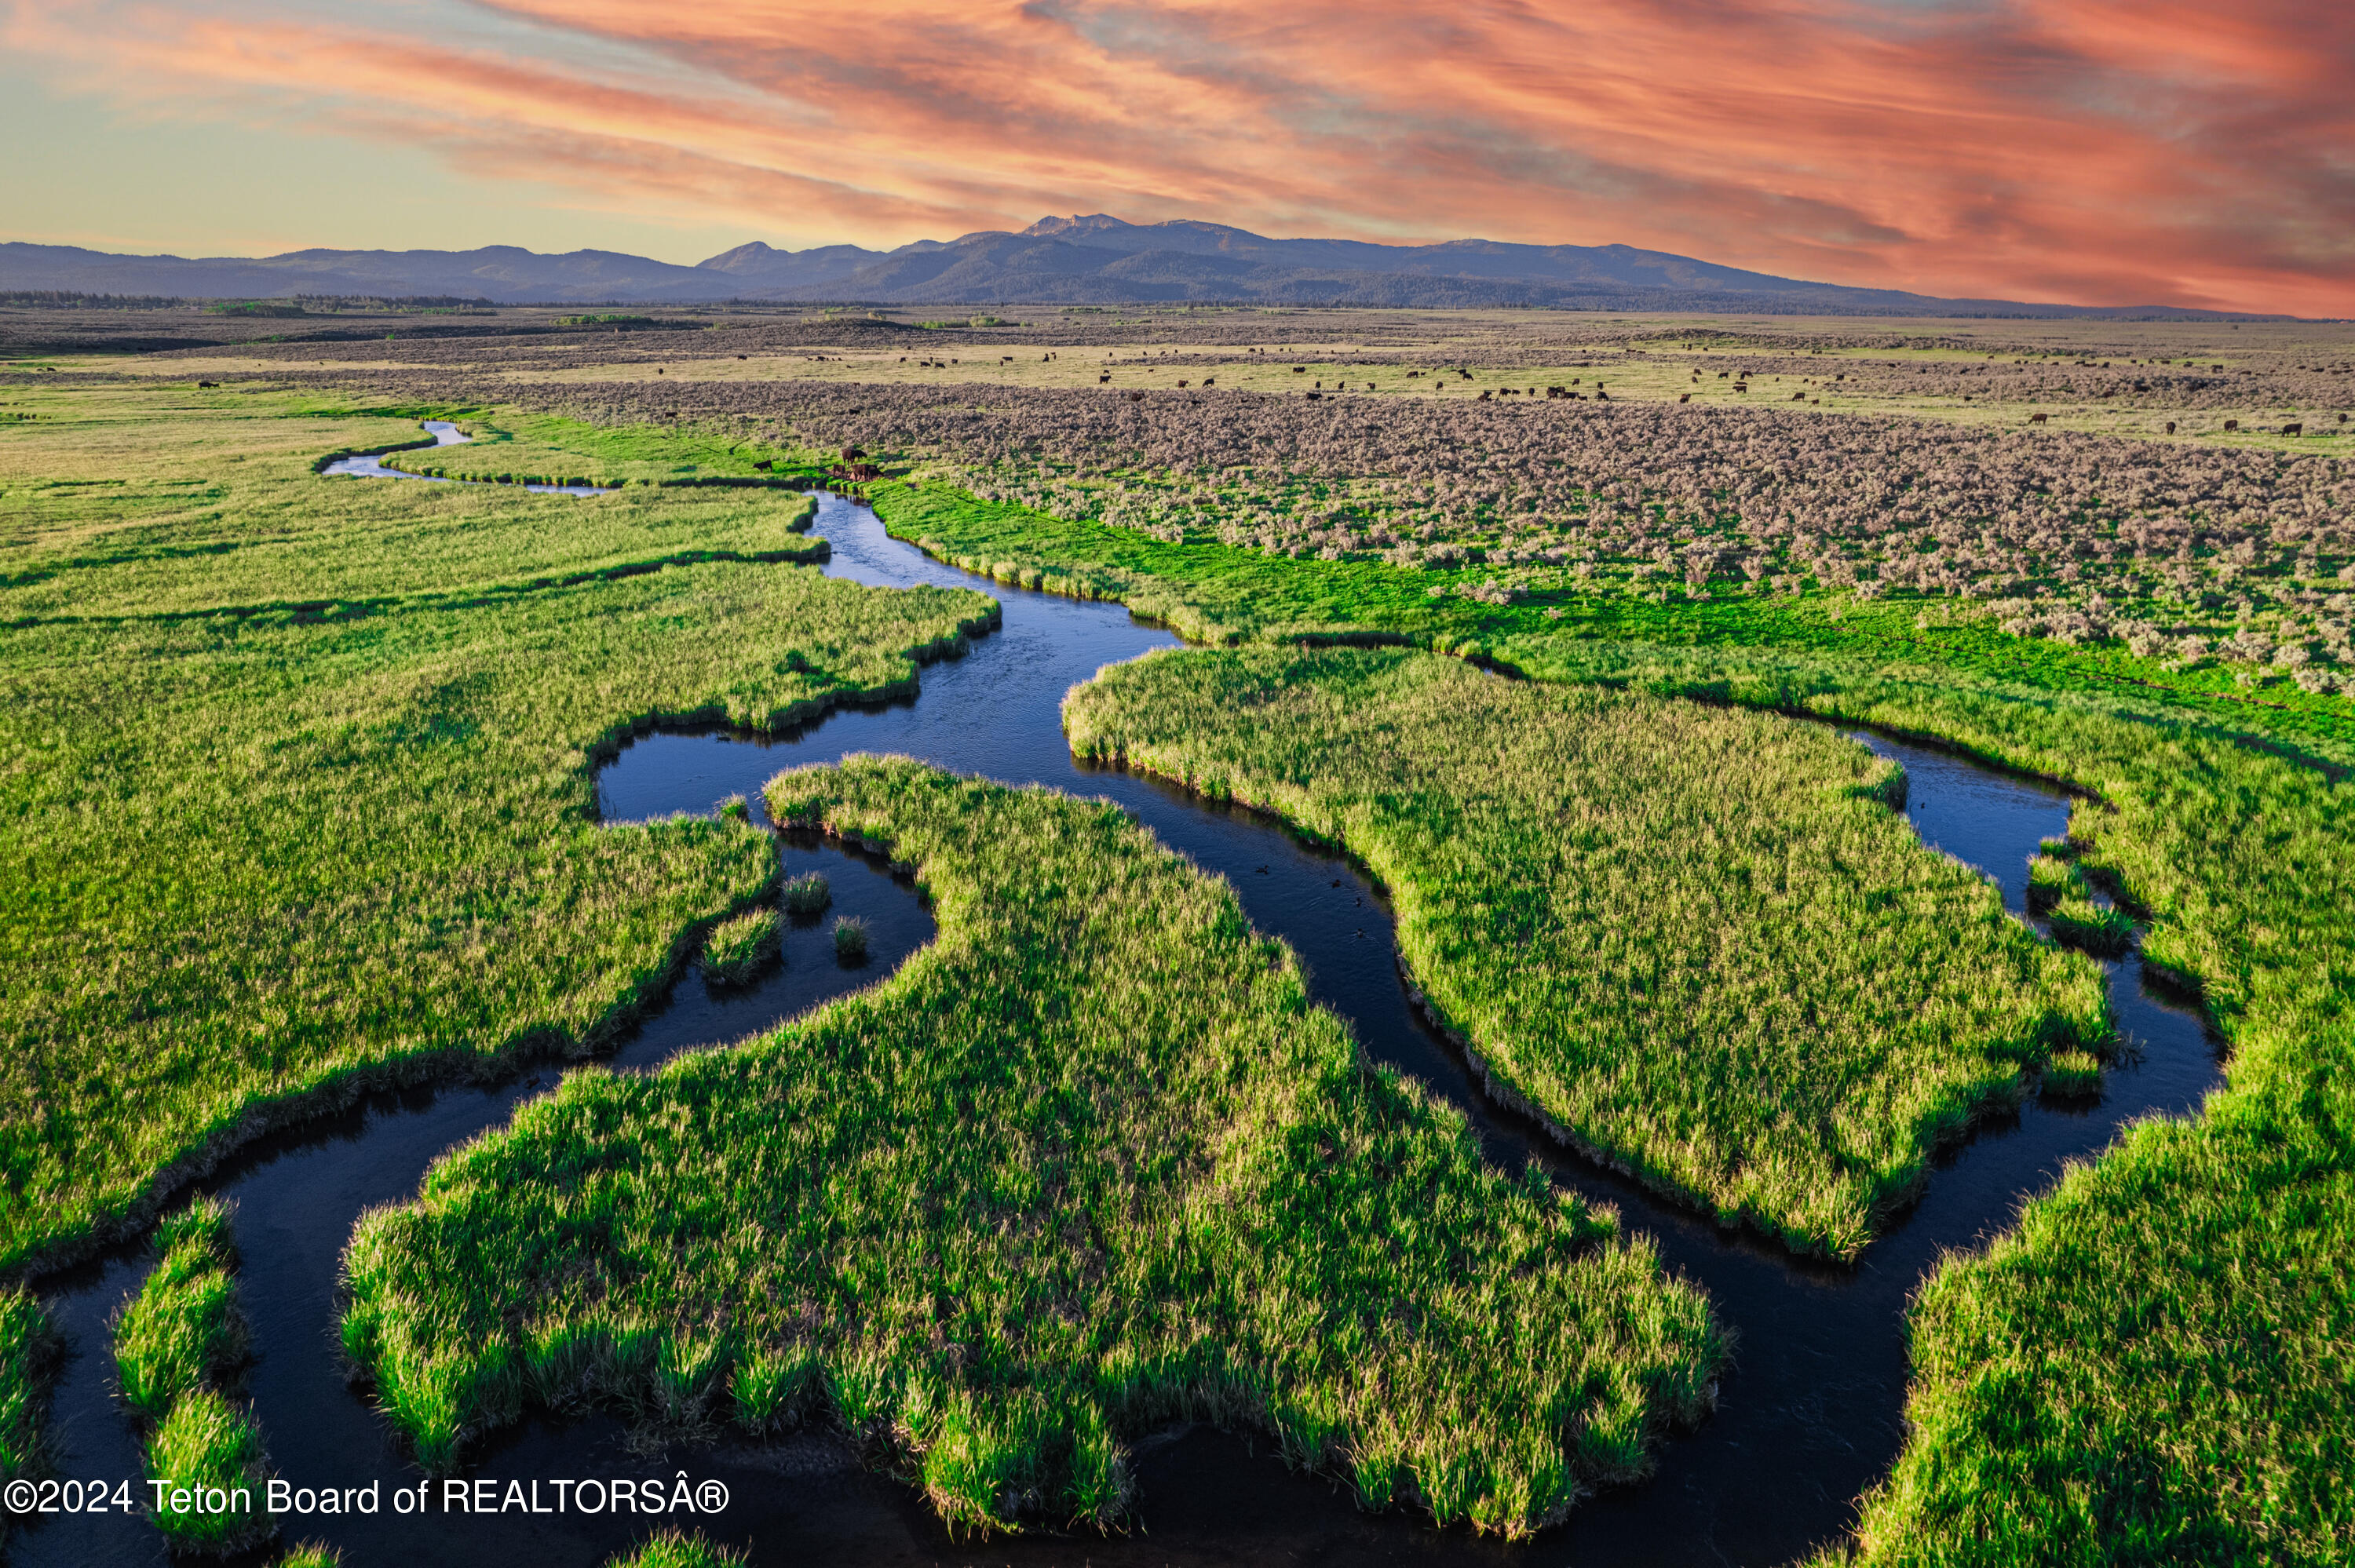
x,y
1810,1414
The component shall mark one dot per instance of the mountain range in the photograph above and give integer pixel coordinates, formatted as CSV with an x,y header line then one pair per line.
x,y
1091,259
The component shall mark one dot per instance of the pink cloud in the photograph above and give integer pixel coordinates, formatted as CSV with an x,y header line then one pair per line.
x,y
2088,150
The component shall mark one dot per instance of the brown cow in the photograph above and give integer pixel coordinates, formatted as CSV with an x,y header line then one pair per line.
x,y
1684,397
2170,427
2036,419
2231,424
2294,430
852,454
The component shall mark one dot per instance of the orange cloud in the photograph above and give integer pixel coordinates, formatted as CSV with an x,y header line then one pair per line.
x,y
2085,149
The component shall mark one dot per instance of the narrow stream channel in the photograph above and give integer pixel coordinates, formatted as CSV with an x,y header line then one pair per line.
x,y
1810,1414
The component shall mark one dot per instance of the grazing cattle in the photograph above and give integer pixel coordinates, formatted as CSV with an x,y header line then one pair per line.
x,y
1684,397
1557,391
1210,381
1137,396
2294,430
2170,427
743,356
1484,394
1601,396
2036,419
1300,370
1798,397
765,464
852,454
1742,386
207,383
1104,380
2231,424
1181,386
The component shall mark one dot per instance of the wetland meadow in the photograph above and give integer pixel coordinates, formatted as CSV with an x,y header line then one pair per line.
x,y
1177,935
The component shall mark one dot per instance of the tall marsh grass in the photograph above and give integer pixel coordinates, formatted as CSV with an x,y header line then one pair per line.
x,y
177,1345
254,863
1091,1161
183,1329
741,947
30,1350
1701,941
678,1548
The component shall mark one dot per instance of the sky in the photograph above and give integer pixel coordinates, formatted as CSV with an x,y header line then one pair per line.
x,y
2095,151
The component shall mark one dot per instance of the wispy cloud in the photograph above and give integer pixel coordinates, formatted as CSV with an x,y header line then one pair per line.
x,y
2093,150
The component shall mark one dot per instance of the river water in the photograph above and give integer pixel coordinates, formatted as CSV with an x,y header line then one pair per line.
x,y
1809,1415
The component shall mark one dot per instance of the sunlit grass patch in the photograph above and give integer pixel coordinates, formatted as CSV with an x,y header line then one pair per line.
x,y
678,1548
30,1350
2104,931
850,940
183,1329
207,1455
739,948
804,896
2072,1074
1089,1162
178,1344
259,861
2051,879
1701,941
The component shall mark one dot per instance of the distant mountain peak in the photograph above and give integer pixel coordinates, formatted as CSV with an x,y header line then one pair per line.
x,y
1088,258
1078,223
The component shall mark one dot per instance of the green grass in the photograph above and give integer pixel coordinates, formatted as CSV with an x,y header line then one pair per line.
x,y
1089,1161
741,947
1699,940
127,504
177,1346
1223,596
312,1554
2051,879
512,446
2073,1073
2102,930
803,896
30,1354
678,1549
851,938
2152,1367
254,864
207,1455
183,1330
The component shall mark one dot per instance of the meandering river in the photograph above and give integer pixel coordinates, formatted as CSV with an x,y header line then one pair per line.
x,y
1809,1415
